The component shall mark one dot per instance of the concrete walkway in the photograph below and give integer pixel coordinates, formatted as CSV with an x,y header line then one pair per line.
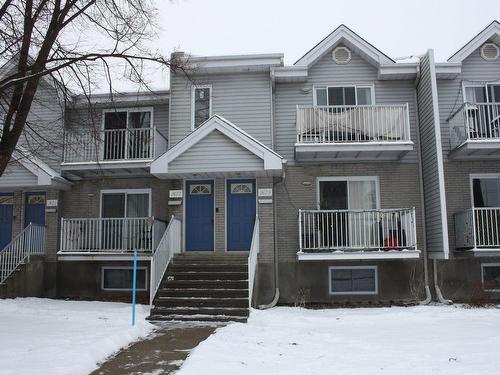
x,y
161,353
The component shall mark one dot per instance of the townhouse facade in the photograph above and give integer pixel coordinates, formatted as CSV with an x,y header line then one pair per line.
x,y
345,177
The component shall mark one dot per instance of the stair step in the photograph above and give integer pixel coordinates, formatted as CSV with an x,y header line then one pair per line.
x,y
197,318
216,267
200,302
227,311
217,284
195,275
203,292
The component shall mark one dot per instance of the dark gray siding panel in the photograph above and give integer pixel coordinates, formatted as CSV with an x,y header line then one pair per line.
x,y
244,99
432,163
326,72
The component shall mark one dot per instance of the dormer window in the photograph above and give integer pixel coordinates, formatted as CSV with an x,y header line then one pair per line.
x,y
344,95
201,104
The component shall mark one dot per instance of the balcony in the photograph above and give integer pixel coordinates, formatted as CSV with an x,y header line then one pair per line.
x,y
477,232
110,236
475,132
357,234
112,149
344,133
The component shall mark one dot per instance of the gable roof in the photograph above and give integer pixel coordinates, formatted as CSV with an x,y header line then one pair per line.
x,y
346,36
46,176
490,32
272,162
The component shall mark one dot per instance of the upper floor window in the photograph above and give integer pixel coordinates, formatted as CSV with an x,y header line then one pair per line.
x,y
127,119
344,95
202,104
489,93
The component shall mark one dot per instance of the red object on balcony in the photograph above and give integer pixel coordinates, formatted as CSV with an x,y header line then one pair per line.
x,y
391,243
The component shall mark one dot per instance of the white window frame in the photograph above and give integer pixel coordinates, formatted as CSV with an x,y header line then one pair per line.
x,y
126,192
124,268
474,176
347,179
468,84
128,110
483,265
332,268
193,88
371,86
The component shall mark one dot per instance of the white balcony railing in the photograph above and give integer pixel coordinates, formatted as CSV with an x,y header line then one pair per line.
x,y
475,122
357,230
29,242
347,124
110,235
113,145
253,255
168,246
478,228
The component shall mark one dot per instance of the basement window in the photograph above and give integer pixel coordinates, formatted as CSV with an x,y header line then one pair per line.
x,y
120,278
490,276
353,280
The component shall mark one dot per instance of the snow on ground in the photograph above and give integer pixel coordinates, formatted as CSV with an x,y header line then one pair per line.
x,y
414,340
44,336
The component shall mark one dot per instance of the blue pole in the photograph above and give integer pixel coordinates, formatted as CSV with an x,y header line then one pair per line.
x,y
134,278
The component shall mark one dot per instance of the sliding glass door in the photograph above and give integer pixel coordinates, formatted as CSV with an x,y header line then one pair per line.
x,y
125,224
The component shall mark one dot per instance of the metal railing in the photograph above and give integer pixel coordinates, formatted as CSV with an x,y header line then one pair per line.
x,y
475,122
253,258
357,230
112,145
169,244
361,123
30,241
89,235
478,228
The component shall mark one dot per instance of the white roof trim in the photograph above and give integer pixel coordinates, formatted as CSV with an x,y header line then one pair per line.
x,y
272,160
46,176
256,62
343,34
492,30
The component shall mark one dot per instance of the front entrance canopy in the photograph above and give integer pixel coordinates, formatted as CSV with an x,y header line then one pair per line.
x,y
218,148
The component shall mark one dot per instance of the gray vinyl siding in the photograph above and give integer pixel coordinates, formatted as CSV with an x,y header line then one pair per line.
x,y
431,163
216,153
16,177
326,72
450,92
244,99
43,134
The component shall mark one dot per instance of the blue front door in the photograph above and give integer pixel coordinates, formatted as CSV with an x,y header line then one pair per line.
x,y
240,214
6,212
35,209
199,216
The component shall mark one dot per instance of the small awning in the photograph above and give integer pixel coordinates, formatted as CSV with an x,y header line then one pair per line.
x,y
25,170
218,148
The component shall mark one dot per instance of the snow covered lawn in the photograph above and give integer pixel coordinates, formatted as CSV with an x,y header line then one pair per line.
x,y
44,336
417,340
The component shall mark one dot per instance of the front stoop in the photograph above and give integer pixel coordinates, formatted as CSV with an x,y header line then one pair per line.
x,y
198,287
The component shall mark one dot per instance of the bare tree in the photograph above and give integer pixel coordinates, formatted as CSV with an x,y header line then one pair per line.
x,y
73,43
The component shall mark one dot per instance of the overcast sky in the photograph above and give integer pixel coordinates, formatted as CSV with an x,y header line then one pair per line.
x,y
398,28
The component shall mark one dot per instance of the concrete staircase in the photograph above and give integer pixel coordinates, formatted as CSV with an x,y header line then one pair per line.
x,y
199,287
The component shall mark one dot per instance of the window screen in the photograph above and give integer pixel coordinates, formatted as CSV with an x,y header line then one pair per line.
x,y
201,105
353,280
491,276
121,278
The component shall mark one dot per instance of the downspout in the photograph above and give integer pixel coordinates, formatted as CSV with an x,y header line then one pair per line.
x,y
439,295
428,295
275,244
